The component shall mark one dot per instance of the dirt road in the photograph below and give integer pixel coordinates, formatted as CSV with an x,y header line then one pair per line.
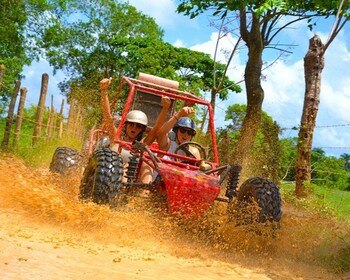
x,y
46,233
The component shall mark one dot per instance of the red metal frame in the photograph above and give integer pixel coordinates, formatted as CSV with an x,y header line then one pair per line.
x,y
172,93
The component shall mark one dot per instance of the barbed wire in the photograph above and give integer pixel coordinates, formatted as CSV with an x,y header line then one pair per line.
x,y
297,127
317,126
336,148
330,173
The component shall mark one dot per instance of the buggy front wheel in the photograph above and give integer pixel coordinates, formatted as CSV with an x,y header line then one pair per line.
x,y
258,200
102,178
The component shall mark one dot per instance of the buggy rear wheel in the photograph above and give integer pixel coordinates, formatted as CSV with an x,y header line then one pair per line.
x,y
102,178
259,201
64,160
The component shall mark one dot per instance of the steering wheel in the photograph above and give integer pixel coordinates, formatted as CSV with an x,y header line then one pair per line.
x,y
185,148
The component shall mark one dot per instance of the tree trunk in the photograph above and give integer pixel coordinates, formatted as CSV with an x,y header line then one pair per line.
x,y
255,97
313,66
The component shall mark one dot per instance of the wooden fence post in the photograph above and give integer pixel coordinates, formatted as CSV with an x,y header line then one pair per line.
x,y
47,126
60,131
2,72
53,124
60,120
71,118
41,109
19,119
9,119
48,131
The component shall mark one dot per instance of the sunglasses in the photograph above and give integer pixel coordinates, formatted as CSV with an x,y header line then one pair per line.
x,y
137,125
186,130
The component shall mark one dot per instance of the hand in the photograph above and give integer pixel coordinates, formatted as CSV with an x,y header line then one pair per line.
x,y
105,83
166,101
185,111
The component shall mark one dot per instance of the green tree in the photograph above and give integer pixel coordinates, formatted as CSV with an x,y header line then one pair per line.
x,y
12,47
21,27
328,171
288,158
112,40
266,150
259,24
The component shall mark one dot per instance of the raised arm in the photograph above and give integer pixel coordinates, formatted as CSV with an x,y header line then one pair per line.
x,y
152,135
108,120
162,136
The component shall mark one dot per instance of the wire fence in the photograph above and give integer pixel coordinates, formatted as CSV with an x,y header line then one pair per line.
x,y
49,123
296,128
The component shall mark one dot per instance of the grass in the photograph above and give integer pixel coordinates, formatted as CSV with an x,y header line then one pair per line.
x,y
39,155
324,200
334,253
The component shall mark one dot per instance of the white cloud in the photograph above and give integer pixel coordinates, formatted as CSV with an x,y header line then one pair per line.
x,y
179,44
226,44
335,103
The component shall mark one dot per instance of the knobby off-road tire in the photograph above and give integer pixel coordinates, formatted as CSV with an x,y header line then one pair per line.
x,y
65,160
102,178
258,201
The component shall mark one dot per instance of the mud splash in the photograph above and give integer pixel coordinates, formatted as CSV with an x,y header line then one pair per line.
x,y
46,199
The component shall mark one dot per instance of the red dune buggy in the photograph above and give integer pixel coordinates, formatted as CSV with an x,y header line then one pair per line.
x,y
189,185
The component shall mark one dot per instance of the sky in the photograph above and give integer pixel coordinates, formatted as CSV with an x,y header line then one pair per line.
x,y
283,82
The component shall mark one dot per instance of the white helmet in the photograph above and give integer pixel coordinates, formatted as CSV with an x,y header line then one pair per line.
x,y
137,116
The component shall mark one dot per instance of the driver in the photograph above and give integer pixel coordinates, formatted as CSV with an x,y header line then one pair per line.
x,y
135,125
184,129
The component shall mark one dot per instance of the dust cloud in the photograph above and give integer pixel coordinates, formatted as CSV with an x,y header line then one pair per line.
x,y
40,212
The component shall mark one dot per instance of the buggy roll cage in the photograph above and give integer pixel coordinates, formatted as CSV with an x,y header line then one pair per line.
x,y
144,86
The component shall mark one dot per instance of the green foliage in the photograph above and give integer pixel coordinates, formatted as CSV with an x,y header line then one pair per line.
x,y
21,26
94,39
266,152
12,47
98,36
41,154
268,8
329,171
334,252
195,72
288,159
112,40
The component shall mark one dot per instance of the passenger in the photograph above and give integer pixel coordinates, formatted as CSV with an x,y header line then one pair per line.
x,y
184,129
135,125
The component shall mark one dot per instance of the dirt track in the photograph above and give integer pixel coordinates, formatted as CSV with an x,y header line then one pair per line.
x,y
46,233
